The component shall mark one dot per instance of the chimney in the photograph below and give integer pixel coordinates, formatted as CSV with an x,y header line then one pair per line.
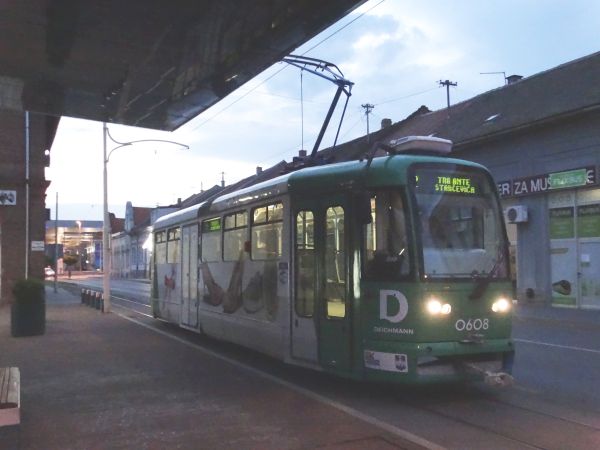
x,y
302,153
513,78
258,170
386,123
179,201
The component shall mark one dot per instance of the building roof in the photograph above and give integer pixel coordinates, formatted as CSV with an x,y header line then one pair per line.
x,y
563,91
141,216
116,225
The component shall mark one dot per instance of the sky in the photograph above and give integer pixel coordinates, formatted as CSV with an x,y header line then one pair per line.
x,y
394,51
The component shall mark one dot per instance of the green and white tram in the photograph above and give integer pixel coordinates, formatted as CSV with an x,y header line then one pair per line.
x,y
390,269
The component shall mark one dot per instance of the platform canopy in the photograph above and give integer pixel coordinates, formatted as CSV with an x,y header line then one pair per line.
x,y
147,63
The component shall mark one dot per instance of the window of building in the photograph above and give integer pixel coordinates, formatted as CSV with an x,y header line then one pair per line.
x,y
210,248
234,235
267,226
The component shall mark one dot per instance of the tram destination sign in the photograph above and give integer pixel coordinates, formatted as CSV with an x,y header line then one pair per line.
x,y
518,187
432,182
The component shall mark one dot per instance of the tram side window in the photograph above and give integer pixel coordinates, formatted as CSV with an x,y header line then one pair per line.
x,y
160,247
267,226
173,239
211,240
234,235
305,264
385,247
335,262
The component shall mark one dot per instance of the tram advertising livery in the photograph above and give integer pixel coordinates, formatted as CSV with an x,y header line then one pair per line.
x,y
391,269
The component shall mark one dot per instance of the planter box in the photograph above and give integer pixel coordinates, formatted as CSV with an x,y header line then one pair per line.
x,y
28,312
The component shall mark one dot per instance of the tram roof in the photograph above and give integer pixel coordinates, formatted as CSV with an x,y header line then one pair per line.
x,y
183,215
383,171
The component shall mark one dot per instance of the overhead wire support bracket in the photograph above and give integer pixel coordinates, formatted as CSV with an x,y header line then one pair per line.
x,y
330,72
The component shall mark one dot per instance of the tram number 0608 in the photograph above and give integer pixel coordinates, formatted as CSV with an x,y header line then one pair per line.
x,y
472,324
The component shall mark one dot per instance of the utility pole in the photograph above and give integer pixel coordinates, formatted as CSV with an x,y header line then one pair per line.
x,y
496,73
448,83
368,108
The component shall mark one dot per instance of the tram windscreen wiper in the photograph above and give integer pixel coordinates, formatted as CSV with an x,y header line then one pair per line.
x,y
482,281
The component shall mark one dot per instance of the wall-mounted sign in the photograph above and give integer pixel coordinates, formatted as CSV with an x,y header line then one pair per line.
x,y
571,178
584,176
8,198
37,246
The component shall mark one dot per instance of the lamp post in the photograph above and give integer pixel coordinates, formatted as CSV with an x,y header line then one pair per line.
x,y
106,259
79,252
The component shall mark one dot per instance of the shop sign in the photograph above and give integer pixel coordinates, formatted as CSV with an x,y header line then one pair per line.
x,y
571,178
536,184
8,198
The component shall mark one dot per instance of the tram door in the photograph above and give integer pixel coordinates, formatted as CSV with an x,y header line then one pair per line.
x,y
322,302
189,275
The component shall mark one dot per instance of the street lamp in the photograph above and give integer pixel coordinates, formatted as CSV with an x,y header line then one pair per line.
x,y
106,260
79,252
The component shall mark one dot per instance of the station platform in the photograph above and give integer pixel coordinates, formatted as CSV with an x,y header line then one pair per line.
x,y
100,381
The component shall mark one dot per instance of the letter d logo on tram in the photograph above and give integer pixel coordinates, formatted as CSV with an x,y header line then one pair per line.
x,y
394,302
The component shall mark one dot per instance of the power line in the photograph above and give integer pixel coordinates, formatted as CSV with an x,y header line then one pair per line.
x,y
284,67
340,29
405,97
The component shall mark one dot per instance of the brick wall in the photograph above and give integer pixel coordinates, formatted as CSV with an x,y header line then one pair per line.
x,y
12,177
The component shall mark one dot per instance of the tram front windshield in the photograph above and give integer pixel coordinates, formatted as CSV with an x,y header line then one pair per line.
x,y
460,223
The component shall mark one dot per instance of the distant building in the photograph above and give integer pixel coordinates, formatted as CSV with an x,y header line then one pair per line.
x,y
131,245
81,238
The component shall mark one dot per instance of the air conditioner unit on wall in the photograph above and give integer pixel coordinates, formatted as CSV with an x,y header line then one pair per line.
x,y
516,214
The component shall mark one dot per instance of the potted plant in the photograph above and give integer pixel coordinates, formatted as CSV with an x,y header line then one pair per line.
x,y
28,311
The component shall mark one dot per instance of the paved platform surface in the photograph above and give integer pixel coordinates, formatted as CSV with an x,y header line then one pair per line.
x,y
98,381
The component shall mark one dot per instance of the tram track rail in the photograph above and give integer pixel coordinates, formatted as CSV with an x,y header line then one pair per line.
x,y
115,301
522,426
482,412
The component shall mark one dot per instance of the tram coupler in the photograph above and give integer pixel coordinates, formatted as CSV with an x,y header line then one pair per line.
x,y
493,379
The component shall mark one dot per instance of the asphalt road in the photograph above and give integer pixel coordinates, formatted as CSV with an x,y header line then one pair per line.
x,y
554,403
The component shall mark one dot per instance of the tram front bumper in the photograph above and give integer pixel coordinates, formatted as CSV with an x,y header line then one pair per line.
x,y
435,362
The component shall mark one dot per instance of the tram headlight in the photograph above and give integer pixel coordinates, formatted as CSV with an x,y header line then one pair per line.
x,y
501,305
436,307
